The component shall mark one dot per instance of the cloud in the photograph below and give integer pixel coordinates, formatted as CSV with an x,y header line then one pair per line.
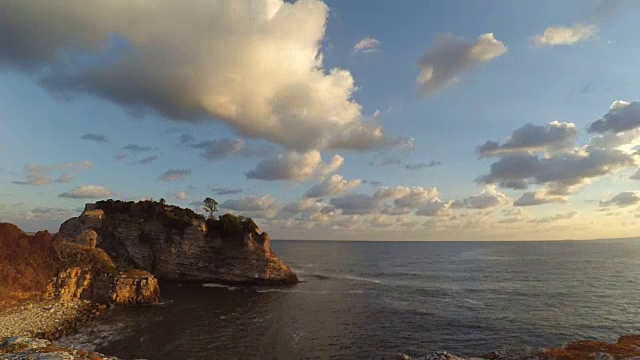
x,y
175,174
66,178
308,210
251,203
334,185
554,218
394,201
356,204
623,199
87,192
147,160
41,174
255,66
538,198
622,116
35,175
95,137
137,148
533,138
450,57
295,166
488,198
435,208
367,45
47,213
635,176
422,166
225,191
565,35
179,195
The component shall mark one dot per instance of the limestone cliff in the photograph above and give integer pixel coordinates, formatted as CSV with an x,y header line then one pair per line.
x,y
176,244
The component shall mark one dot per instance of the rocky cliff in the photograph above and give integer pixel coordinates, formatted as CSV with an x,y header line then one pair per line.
x,y
176,244
32,266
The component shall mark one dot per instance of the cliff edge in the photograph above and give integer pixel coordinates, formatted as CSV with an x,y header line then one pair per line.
x,y
177,244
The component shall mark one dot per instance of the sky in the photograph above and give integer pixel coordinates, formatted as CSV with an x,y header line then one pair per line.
x,y
336,120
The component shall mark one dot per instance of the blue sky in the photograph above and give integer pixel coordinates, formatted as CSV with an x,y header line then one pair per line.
x,y
242,102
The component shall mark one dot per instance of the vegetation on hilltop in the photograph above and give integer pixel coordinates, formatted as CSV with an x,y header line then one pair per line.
x,y
175,217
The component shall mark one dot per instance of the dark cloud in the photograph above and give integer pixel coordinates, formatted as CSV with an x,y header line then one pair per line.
x,y
147,160
95,137
175,174
623,199
422,166
621,117
450,57
225,191
530,138
137,148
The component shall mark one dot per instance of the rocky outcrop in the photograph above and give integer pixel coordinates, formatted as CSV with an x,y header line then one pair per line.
x,y
141,236
128,287
19,347
626,348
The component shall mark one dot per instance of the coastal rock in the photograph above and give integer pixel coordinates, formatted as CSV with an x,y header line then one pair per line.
x,y
128,287
162,240
135,287
82,229
19,348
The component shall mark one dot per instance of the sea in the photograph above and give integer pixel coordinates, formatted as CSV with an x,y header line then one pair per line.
x,y
373,300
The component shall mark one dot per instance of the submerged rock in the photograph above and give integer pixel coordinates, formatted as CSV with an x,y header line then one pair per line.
x,y
175,244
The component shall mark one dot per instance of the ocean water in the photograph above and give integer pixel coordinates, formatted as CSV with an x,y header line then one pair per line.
x,y
373,300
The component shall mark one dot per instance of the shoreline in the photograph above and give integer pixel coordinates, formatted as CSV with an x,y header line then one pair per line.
x,y
47,319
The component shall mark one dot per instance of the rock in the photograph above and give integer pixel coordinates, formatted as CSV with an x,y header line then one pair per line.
x,y
175,249
82,230
136,287
19,348
128,287
601,356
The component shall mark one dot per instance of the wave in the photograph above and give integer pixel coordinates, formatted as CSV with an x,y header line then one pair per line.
x,y
262,291
215,285
329,276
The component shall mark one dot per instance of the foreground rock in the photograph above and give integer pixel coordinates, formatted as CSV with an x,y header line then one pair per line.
x,y
19,348
177,244
626,348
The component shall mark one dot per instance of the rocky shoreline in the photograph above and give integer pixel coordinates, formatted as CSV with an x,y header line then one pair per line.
x,y
626,348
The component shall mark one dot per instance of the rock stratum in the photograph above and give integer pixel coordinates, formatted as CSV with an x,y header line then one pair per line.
x,y
176,244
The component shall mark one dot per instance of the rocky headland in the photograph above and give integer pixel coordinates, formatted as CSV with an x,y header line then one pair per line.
x,y
115,253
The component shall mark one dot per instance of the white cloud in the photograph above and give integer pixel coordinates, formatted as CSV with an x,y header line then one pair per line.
x,y
41,174
356,204
450,57
366,45
87,192
334,185
623,199
179,195
488,198
556,217
563,35
251,203
256,66
295,166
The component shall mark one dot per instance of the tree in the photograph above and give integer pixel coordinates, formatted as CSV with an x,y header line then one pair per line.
x,y
211,206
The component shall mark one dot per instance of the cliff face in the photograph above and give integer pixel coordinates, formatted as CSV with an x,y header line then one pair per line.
x,y
186,252
125,288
